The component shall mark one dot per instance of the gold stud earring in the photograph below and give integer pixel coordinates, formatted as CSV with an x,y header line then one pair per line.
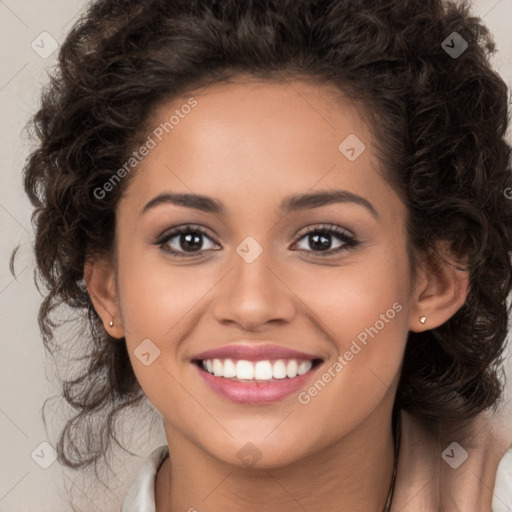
x,y
423,319
111,323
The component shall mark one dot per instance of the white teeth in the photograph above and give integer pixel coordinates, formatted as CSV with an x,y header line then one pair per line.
x,y
217,368
291,369
304,367
279,369
229,369
263,370
258,370
244,370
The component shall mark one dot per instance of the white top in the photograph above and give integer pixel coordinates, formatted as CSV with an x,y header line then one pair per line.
x,y
141,493
140,496
502,500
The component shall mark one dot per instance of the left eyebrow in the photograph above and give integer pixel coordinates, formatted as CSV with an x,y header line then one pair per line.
x,y
323,198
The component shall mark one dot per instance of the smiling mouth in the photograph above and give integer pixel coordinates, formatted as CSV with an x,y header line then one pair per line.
x,y
257,371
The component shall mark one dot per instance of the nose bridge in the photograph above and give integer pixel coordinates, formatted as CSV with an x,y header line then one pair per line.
x,y
253,266
254,293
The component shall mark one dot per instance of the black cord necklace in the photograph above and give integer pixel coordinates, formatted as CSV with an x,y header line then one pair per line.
x,y
397,432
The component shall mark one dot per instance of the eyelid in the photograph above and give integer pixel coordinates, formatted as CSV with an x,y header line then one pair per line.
x,y
325,227
175,230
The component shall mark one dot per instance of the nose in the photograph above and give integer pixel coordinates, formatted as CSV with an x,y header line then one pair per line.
x,y
252,295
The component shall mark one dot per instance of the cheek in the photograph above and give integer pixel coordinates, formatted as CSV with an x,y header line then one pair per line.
x,y
156,297
353,297
364,312
363,309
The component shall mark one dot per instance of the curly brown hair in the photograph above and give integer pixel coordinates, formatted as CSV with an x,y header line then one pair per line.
x,y
440,121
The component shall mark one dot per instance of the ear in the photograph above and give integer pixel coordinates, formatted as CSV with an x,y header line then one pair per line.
x,y
440,290
99,277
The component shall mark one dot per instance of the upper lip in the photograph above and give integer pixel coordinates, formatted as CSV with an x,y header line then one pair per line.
x,y
253,352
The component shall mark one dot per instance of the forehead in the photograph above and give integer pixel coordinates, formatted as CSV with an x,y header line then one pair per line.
x,y
259,139
263,116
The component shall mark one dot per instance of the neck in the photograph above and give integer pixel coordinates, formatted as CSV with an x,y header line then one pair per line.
x,y
353,473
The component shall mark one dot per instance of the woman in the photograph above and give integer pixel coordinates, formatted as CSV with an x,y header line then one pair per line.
x,y
288,225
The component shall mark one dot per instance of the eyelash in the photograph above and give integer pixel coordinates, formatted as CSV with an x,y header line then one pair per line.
x,y
349,241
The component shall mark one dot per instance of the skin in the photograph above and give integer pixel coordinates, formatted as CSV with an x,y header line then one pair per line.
x,y
250,144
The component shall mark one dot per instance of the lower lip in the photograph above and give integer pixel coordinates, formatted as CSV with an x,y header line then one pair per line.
x,y
255,392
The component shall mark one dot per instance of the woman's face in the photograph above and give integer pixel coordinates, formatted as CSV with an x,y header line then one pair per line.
x,y
262,274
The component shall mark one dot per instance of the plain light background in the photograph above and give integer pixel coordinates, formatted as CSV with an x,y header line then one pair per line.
x,y
27,378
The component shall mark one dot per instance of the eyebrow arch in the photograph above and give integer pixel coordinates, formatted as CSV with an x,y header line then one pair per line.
x,y
323,198
195,201
289,204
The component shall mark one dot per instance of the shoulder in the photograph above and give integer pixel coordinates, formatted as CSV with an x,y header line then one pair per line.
x,y
140,496
502,499
471,464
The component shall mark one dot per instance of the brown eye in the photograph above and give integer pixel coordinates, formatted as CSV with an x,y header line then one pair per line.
x,y
320,240
185,239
